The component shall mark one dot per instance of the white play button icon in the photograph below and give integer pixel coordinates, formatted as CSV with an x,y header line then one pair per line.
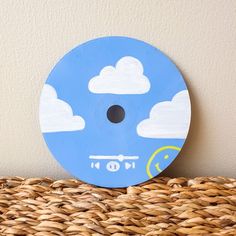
x,y
127,165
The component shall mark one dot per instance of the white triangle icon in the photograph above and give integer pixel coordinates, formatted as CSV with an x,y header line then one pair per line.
x,y
127,165
97,165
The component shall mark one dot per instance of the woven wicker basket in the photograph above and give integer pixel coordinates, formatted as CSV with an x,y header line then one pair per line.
x,y
162,206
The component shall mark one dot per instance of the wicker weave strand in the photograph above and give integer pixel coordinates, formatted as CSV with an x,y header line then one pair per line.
x,y
162,206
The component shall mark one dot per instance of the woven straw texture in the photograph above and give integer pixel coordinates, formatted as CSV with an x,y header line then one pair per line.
x,y
162,206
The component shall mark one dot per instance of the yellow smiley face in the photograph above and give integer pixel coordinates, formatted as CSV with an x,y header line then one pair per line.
x,y
157,163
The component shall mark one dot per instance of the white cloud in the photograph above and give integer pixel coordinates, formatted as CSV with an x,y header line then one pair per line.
x,y
55,115
125,78
168,119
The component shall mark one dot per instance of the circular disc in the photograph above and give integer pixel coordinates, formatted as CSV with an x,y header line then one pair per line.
x,y
115,111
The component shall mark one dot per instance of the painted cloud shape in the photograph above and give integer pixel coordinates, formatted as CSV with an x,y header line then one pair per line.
x,y
168,119
125,78
55,115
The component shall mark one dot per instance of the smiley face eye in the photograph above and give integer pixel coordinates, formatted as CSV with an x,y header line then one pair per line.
x,y
166,156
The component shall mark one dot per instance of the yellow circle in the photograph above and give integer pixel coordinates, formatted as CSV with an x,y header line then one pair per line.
x,y
154,155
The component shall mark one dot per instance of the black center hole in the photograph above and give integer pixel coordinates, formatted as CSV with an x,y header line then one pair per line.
x,y
115,114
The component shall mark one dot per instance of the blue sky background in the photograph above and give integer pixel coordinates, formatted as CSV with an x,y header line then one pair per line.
x,y
70,78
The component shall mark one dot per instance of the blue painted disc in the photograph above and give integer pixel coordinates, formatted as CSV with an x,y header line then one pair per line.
x,y
115,111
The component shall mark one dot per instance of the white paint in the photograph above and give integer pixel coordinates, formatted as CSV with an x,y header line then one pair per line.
x,y
113,166
199,36
128,165
55,115
133,165
125,78
95,165
114,157
168,119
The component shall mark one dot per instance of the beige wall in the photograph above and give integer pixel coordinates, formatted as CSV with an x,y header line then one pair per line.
x,y
200,37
